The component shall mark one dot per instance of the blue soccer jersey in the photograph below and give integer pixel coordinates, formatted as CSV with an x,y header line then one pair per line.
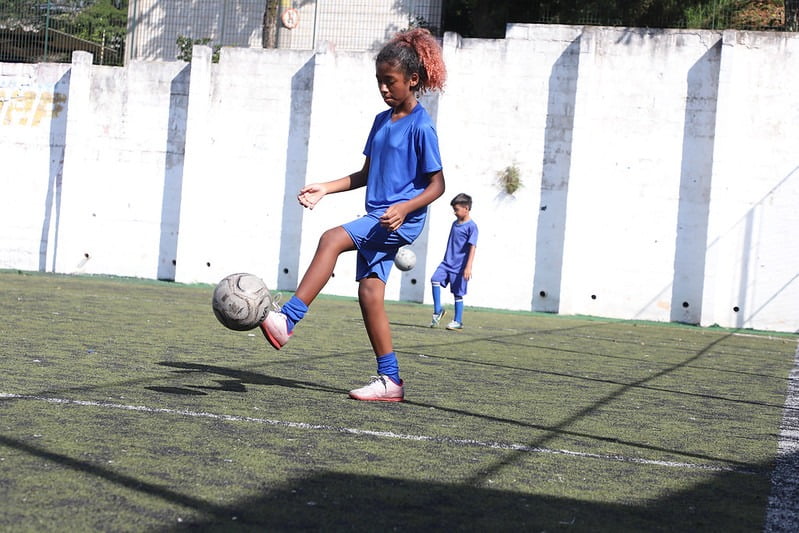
x,y
401,156
461,238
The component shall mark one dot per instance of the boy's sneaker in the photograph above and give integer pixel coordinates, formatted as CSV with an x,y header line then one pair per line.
x,y
454,325
437,318
380,389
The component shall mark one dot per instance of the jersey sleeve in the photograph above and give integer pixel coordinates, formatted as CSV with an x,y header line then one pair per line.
x,y
473,235
427,148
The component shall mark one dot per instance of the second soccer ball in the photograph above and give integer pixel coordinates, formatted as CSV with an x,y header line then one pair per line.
x,y
405,259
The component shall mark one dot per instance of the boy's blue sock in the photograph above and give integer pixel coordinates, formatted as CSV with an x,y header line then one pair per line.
x,y
387,365
294,310
436,298
458,310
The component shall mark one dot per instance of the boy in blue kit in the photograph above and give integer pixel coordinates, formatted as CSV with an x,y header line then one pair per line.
x,y
402,174
456,268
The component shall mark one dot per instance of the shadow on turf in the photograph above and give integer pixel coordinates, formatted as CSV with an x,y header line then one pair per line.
x,y
331,501
343,502
238,382
244,377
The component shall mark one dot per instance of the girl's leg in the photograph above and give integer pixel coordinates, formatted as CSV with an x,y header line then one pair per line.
x,y
331,244
387,386
371,297
279,326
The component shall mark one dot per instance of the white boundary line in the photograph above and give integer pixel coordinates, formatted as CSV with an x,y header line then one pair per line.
x,y
783,503
379,434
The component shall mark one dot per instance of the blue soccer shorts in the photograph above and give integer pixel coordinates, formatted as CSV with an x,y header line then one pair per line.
x,y
457,283
376,246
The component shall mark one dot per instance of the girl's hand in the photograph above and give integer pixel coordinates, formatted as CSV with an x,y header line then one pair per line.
x,y
394,216
311,194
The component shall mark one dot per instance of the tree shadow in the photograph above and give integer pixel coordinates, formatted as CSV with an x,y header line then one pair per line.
x,y
334,501
330,501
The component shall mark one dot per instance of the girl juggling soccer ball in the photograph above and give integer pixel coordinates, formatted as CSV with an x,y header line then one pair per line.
x,y
402,173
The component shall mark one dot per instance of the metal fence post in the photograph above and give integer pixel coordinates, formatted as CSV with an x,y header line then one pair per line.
x,y
46,29
315,24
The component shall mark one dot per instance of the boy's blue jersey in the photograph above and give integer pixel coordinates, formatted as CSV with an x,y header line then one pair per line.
x,y
401,155
461,238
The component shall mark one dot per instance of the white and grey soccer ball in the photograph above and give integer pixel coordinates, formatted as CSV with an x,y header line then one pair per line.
x,y
241,301
405,259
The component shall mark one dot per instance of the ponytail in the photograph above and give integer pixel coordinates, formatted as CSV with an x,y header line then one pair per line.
x,y
417,51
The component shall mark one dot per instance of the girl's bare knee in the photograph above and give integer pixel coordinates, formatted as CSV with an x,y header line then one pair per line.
x,y
336,239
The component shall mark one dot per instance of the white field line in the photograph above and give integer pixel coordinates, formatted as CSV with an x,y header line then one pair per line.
x,y
378,434
783,503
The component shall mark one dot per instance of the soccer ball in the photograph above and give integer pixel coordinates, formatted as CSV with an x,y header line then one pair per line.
x,y
241,301
405,259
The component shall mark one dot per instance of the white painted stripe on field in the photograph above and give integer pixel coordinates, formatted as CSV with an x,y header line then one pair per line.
x,y
380,434
783,503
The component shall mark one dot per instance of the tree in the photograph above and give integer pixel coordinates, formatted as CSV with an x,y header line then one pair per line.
x,y
103,22
792,15
487,18
16,13
269,32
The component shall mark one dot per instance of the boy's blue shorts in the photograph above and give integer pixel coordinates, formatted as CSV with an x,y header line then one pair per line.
x,y
376,246
456,282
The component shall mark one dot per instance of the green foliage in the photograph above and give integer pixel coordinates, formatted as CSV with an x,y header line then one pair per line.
x,y
96,25
509,179
738,14
185,45
419,22
103,22
487,18
16,13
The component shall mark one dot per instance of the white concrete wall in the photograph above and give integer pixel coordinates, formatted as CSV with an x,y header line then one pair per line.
x,y
122,165
32,138
509,103
752,277
658,169
645,105
240,156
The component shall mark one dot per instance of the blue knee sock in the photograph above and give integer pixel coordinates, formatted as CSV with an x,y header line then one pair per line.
x,y
436,298
294,310
458,310
387,365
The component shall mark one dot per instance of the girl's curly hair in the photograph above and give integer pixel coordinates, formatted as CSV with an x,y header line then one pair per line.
x,y
416,51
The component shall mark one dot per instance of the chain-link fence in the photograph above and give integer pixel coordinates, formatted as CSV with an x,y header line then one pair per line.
x,y
117,31
50,30
352,25
158,29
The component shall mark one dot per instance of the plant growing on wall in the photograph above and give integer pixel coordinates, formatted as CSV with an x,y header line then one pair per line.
x,y
185,43
509,179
